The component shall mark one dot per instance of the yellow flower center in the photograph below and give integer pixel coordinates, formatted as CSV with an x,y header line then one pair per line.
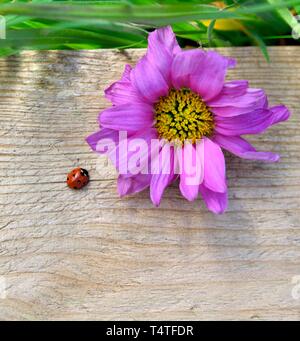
x,y
183,115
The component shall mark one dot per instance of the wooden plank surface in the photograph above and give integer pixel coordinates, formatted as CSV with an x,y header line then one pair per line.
x,y
91,255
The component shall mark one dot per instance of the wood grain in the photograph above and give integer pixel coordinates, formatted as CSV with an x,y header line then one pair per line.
x,y
90,255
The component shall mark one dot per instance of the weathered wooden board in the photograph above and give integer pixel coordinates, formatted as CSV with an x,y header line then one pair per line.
x,y
91,255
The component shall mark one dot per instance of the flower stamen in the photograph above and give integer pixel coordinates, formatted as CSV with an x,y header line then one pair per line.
x,y
183,115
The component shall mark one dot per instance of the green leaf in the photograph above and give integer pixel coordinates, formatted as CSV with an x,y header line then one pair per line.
x,y
155,14
210,31
55,24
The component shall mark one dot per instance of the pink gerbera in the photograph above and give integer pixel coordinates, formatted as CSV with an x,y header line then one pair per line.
x,y
179,96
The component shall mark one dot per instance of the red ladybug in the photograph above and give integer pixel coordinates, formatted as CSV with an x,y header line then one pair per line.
x,y
78,178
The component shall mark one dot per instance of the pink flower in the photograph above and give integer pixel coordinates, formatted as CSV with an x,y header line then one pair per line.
x,y
178,96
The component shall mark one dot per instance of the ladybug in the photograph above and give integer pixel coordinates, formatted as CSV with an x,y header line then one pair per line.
x,y
78,178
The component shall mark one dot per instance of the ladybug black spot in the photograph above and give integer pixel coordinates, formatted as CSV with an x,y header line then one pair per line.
x,y
84,172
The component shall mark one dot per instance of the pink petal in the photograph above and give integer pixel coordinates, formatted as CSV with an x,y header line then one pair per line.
x,y
252,123
101,135
231,111
131,185
162,46
210,80
280,113
109,142
203,72
123,154
191,169
105,142
149,81
126,73
252,98
122,91
129,117
184,65
243,149
236,99
214,167
166,37
160,181
235,88
215,202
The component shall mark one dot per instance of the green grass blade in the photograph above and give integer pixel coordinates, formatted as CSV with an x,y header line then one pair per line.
x,y
149,14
